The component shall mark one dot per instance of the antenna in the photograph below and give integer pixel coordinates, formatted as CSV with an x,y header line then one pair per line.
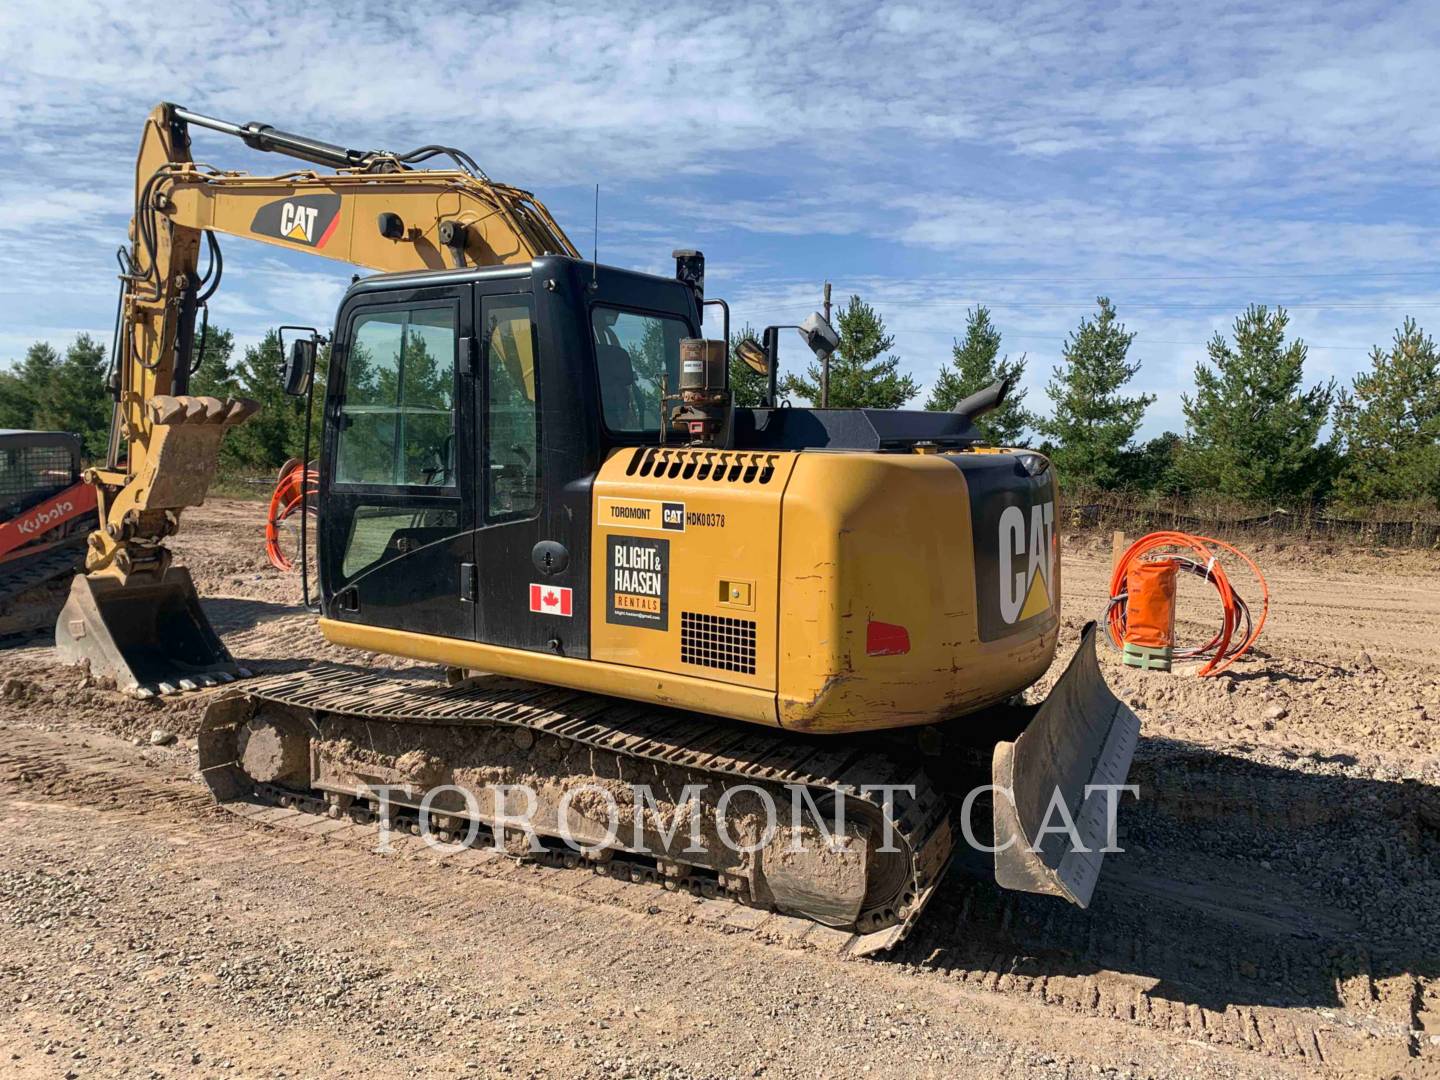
x,y
595,255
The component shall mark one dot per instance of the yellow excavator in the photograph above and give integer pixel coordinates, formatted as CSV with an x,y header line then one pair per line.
x,y
532,474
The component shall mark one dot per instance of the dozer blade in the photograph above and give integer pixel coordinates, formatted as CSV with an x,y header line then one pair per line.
x,y
1081,737
150,636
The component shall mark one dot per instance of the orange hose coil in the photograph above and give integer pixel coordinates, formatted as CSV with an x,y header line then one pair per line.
x,y
285,501
1202,547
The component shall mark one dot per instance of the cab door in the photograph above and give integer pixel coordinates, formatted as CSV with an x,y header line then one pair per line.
x,y
532,522
398,476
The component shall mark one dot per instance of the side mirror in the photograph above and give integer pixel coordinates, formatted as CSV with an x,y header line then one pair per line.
x,y
819,335
754,356
299,366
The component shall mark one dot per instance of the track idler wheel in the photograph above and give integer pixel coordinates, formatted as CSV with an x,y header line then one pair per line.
x,y
243,742
850,883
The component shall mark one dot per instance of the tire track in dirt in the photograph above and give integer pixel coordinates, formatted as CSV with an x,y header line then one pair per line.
x,y
1223,920
1164,946
283,949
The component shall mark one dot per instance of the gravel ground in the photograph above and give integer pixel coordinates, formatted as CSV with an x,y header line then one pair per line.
x,y
1275,912
152,938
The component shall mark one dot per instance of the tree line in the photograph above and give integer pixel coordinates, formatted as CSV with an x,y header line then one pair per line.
x,y
1254,429
50,391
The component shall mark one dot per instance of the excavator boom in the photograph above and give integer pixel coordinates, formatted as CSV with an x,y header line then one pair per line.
x,y
133,616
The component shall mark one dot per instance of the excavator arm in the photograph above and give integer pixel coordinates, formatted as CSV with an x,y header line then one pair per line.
x,y
376,210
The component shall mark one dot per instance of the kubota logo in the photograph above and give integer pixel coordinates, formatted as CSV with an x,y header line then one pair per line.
x,y
37,522
1026,549
305,219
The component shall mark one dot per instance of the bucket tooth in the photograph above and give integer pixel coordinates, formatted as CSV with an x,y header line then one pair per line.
x,y
166,408
148,635
238,409
1082,738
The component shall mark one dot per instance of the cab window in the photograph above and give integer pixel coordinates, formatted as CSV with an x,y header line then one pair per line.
x,y
512,441
397,418
632,352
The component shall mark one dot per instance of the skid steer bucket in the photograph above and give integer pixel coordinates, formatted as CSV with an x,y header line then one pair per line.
x,y
1076,749
150,636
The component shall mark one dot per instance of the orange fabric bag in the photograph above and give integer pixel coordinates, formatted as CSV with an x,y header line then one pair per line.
x,y
1150,603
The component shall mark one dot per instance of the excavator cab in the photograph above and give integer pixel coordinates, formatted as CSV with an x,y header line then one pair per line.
x,y
465,416
521,381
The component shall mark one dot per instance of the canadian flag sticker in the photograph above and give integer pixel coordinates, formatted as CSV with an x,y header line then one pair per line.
x,y
550,600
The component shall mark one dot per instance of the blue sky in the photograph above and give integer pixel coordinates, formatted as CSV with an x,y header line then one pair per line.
x,y
1184,160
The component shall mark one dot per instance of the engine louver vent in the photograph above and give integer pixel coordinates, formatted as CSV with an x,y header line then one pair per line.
x,y
717,641
718,466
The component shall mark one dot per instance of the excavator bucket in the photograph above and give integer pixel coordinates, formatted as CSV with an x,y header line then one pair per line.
x,y
149,636
1076,751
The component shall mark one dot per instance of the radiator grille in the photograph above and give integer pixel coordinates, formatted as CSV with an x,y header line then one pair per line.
x,y
716,466
717,641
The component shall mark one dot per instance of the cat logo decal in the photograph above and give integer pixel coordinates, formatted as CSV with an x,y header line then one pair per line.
x,y
1025,568
1017,561
308,220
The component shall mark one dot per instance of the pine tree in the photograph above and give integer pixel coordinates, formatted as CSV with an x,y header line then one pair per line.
x,y
1152,466
973,367
1389,424
746,384
214,376
1094,422
1253,430
271,436
426,408
25,390
648,360
78,400
861,377
48,392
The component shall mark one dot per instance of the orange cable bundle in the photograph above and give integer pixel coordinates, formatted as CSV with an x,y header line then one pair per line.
x,y
286,500
1193,554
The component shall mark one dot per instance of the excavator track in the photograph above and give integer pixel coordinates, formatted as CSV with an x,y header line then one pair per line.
x,y
25,606
360,730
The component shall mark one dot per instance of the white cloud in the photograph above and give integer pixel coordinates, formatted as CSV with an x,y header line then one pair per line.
x,y
1026,155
